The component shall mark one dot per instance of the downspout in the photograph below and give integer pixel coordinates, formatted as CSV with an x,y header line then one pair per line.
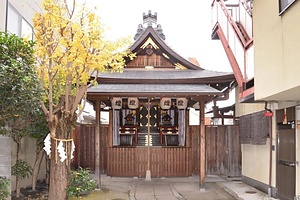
x,y
271,148
6,16
215,107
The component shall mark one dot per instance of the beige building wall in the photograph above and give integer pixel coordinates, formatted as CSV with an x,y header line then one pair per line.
x,y
276,51
255,158
276,61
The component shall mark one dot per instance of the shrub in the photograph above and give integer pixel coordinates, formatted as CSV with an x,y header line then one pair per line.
x,y
21,169
80,182
4,187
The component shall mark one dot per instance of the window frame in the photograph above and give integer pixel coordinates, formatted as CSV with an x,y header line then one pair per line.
x,y
21,22
282,10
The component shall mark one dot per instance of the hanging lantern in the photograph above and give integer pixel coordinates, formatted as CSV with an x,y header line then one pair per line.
x,y
116,103
133,103
181,103
165,103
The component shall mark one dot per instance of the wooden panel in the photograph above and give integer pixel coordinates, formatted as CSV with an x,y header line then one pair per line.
x,y
85,147
223,151
141,161
145,60
211,147
194,141
234,149
164,162
103,148
75,136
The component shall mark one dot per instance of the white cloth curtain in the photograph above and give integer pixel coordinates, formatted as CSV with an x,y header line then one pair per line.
x,y
181,127
116,126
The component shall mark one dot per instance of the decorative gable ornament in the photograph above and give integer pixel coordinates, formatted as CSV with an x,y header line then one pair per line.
x,y
165,103
116,103
133,103
181,103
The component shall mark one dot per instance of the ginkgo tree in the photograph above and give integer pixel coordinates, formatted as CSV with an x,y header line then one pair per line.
x,y
70,49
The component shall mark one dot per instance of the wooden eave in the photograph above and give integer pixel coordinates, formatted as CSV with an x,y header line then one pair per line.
x,y
166,76
195,92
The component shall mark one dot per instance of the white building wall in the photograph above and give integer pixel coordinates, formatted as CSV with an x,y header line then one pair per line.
x,y
25,9
2,14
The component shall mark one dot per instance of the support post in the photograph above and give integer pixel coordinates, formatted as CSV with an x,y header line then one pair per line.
x,y
148,172
97,144
187,131
202,146
110,129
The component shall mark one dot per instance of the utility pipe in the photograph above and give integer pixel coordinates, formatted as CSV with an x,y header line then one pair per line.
x,y
271,149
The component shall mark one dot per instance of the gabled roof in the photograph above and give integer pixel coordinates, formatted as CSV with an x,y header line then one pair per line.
x,y
149,36
171,74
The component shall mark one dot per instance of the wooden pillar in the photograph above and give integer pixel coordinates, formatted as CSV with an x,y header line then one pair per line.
x,y
202,145
187,128
148,172
97,143
110,129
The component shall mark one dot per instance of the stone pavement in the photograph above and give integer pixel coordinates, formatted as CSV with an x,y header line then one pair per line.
x,y
186,188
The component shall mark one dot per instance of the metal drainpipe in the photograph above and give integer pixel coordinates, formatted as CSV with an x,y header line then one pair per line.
x,y
271,145
6,16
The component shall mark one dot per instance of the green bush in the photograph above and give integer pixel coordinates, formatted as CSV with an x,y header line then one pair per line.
x,y
21,169
4,187
80,183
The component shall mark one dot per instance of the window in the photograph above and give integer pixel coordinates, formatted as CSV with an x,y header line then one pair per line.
x,y
17,24
284,5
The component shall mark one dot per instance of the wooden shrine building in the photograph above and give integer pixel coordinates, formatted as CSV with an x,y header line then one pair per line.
x,y
148,132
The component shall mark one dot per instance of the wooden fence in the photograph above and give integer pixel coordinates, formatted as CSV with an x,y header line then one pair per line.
x,y
223,150
163,162
223,154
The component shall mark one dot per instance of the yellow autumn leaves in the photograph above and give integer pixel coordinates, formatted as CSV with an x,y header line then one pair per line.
x,y
70,46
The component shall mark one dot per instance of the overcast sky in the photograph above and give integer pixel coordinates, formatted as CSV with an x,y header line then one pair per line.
x,y
186,24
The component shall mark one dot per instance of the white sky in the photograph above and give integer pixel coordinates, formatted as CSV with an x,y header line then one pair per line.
x,y
186,24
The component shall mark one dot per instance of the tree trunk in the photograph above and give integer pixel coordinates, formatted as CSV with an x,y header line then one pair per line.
x,y
17,177
58,175
36,168
47,170
59,170
17,187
